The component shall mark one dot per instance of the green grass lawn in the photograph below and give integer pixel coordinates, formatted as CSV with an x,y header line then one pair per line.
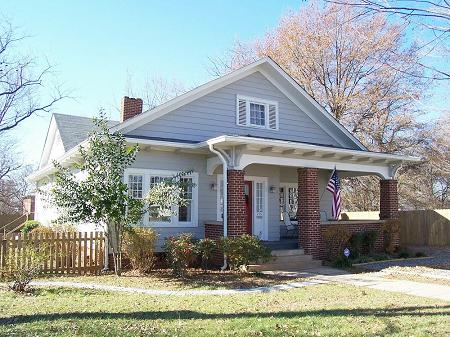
x,y
323,310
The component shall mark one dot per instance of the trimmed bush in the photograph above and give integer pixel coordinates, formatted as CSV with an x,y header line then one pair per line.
x,y
391,231
29,225
180,252
336,239
205,248
139,247
244,250
363,243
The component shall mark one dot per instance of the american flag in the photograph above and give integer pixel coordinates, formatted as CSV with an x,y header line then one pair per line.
x,y
335,188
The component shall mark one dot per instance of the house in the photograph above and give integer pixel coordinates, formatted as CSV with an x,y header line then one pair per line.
x,y
255,131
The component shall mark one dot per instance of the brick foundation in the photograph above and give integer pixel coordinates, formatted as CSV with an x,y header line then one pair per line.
x,y
214,231
388,199
309,211
236,203
354,227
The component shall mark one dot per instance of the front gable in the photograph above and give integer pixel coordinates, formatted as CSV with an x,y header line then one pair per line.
x,y
217,113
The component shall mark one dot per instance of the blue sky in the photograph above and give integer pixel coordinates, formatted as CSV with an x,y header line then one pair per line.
x,y
97,46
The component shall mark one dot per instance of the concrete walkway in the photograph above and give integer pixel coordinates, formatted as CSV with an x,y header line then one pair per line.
x,y
321,275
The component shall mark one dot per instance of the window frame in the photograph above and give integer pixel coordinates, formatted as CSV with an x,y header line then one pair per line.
x,y
259,101
174,223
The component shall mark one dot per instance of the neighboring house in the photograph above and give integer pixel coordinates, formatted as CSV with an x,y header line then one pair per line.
x,y
276,143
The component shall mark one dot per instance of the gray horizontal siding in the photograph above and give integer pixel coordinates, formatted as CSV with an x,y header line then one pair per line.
x,y
182,162
215,114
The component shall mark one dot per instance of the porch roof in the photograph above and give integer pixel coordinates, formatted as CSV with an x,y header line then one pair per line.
x,y
245,151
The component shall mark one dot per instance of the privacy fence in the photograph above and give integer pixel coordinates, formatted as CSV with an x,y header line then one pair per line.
x,y
418,228
64,253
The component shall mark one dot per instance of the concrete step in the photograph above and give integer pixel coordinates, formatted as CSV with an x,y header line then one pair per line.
x,y
294,266
288,252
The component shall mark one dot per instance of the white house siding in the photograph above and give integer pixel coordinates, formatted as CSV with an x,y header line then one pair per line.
x,y
215,114
181,162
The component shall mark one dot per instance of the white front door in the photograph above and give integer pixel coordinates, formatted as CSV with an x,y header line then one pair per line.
x,y
260,216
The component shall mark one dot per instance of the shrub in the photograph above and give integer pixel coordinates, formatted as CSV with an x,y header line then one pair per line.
x,y
369,239
20,272
403,254
205,248
336,238
243,250
391,232
29,225
420,254
342,262
42,230
180,252
139,247
356,244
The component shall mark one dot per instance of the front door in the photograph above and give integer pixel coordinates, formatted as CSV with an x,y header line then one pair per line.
x,y
248,194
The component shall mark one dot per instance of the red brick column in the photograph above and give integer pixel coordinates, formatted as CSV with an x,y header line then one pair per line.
x,y
236,203
214,231
308,212
388,199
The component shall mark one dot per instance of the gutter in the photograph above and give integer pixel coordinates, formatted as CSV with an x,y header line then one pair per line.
x,y
225,196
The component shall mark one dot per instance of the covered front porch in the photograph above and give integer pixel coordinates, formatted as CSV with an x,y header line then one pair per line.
x,y
277,189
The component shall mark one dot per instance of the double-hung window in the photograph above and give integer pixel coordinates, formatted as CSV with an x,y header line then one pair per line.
x,y
256,112
141,181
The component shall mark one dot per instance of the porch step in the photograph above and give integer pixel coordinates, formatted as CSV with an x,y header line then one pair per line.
x,y
282,244
287,260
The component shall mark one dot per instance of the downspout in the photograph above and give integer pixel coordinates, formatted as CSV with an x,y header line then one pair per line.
x,y
225,196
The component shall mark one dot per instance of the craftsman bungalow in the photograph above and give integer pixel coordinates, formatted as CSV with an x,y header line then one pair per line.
x,y
255,131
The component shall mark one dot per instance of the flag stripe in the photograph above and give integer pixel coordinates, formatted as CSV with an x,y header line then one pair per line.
x,y
333,187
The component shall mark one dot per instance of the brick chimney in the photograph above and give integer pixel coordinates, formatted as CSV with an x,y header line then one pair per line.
x,y
130,108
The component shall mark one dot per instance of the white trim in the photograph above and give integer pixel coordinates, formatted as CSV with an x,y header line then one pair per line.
x,y
256,100
174,223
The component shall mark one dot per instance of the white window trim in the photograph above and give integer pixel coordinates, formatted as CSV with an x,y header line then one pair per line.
x,y
261,101
174,223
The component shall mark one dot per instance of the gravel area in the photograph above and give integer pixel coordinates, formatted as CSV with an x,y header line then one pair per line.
x,y
439,259
419,274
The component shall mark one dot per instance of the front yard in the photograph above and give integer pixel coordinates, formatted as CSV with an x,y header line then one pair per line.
x,y
322,310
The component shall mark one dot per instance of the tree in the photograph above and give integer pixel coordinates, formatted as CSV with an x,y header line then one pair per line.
x,y
362,69
94,191
13,185
21,83
430,18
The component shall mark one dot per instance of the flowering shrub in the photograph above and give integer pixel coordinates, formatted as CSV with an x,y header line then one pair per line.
x,y
180,251
205,248
139,246
243,250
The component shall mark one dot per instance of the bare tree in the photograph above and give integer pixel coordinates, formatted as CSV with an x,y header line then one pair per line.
x,y
158,90
21,83
363,70
426,16
13,185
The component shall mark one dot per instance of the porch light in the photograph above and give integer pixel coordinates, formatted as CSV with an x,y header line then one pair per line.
x,y
272,189
213,187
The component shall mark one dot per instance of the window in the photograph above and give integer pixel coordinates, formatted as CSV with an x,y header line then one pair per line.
x,y
140,181
288,199
256,112
185,212
154,211
259,199
135,186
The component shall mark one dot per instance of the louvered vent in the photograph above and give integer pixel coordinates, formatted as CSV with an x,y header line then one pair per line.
x,y
242,113
273,117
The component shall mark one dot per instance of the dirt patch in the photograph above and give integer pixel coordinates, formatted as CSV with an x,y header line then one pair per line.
x,y
194,279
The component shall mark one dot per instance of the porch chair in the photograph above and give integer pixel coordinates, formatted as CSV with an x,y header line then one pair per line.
x,y
290,225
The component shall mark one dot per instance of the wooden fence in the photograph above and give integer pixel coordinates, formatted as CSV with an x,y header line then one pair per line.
x,y
65,253
425,228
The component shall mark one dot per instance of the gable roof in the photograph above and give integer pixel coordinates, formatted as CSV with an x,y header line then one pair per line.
x,y
277,76
74,129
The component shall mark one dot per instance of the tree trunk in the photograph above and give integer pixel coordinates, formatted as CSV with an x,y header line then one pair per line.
x,y
115,240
